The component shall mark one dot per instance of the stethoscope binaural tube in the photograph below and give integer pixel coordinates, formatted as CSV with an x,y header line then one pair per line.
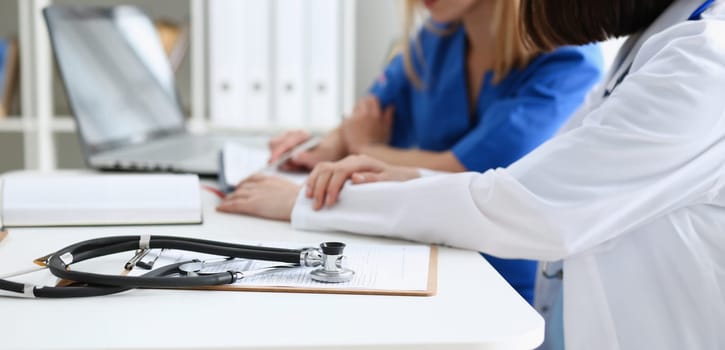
x,y
99,284
30,291
106,246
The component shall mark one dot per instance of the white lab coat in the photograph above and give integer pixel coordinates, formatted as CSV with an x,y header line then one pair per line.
x,y
630,197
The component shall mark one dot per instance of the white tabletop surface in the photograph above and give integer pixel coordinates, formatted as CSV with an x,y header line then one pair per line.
x,y
473,309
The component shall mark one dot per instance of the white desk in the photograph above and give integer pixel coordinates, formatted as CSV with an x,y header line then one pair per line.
x,y
474,307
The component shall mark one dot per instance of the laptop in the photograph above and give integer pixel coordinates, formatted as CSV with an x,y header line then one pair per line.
x,y
122,92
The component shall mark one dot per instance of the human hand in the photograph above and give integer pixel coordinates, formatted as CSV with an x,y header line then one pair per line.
x,y
327,179
368,124
269,197
331,148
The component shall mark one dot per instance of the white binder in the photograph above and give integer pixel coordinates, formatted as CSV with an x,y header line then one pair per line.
x,y
323,56
290,42
275,63
240,68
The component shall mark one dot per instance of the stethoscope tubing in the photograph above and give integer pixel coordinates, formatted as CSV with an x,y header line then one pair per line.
x,y
59,269
80,291
59,262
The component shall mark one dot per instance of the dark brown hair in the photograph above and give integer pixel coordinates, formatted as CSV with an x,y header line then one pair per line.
x,y
552,23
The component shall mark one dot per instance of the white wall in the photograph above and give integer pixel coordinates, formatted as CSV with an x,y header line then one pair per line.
x,y
379,24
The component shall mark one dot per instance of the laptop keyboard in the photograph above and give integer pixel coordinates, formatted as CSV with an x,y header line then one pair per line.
x,y
176,149
169,154
187,153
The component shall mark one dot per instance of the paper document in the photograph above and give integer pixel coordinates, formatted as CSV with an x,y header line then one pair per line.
x,y
72,200
377,268
238,162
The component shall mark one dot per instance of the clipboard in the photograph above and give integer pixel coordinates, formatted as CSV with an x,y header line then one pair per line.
x,y
400,266
431,289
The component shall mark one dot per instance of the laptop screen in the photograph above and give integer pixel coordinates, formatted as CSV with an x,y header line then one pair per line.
x,y
118,80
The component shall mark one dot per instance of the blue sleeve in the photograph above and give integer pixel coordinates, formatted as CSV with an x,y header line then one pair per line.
x,y
391,82
514,126
392,88
3,48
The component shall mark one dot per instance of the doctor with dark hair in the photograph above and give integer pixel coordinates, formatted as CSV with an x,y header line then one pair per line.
x,y
630,194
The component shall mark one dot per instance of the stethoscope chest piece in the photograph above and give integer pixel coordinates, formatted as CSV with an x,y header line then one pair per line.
x,y
331,270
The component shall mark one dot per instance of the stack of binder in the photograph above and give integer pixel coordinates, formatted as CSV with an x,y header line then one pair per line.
x,y
275,63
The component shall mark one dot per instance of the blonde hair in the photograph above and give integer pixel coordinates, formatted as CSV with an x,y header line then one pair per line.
x,y
512,50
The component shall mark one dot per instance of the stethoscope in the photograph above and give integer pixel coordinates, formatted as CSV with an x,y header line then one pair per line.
x,y
327,259
626,66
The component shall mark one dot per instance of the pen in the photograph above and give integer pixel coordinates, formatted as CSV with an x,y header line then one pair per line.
x,y
140,254
303,147
213,190
148,265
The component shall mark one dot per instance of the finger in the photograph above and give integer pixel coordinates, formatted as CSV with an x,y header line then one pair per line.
x,y
337,181
239,206
306,160
310,183
318,192
365,177
287,144
279,139
284,146
276,140
291,166
363,163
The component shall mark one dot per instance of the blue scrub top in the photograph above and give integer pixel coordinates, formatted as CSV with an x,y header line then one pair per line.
x,y
510,119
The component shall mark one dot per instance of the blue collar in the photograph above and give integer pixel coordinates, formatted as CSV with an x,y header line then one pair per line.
x,y
698,13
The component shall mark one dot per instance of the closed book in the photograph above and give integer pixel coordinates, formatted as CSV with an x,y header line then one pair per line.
x,y
80,200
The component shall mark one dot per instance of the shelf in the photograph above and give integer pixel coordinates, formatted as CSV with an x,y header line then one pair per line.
x,y
64,124
17,124
11,124
46,119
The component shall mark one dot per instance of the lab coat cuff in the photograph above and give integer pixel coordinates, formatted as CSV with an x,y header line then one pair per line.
x,y
428,172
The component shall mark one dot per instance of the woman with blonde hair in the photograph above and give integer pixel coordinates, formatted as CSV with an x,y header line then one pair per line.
x,y
466,95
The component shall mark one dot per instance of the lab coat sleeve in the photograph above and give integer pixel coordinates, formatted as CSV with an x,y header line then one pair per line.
x,y
656,145
512,127
423,172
